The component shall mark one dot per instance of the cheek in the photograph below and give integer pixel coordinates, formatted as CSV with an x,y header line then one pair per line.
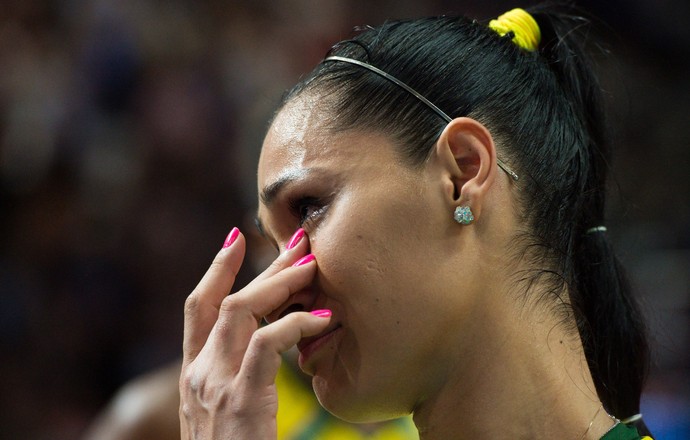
x,y
375,240
353,243
369,269
371,265
346,256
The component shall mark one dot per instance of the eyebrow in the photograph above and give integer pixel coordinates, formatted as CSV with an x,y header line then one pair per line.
x,y
270,192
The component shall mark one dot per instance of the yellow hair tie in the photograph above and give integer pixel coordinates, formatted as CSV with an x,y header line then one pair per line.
x,y
522,24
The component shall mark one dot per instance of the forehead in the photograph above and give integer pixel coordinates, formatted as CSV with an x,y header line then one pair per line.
x,y
301,141
301,146
295,139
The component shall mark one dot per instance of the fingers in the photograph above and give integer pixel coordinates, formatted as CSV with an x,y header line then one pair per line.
x,y
294,248
263,356
240,313
210,314
229,363
215,402
202,305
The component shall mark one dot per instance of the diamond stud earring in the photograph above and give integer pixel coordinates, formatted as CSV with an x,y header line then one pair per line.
x,y
463,215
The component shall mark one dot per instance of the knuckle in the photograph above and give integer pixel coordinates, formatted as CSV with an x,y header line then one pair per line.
x,y
218,262
222,267
230,305
281,262
186,411
222,263
199,390
260,340
276,265
189,381
191,304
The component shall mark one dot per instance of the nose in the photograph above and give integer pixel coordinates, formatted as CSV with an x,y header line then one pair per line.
x,y
298,302
302,300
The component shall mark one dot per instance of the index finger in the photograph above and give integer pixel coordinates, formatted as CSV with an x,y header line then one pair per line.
x,y
202,305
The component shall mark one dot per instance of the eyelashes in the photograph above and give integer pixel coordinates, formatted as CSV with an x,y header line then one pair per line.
x,y
308,210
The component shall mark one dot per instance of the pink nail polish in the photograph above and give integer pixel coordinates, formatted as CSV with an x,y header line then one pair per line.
x,y
322,313
232,236
304,260
296,237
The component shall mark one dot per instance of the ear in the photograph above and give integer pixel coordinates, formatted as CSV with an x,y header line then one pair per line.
x,y
468,155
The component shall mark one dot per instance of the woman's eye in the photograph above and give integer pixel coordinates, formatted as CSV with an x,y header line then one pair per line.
x,y
307,210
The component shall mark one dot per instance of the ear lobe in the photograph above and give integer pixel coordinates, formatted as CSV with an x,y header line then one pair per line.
x,y
468,152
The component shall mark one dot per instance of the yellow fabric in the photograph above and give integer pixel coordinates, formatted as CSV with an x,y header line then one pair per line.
x,y
295,404
300,417
522,24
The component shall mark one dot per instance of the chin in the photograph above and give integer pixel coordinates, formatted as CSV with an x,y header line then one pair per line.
x,y
355,406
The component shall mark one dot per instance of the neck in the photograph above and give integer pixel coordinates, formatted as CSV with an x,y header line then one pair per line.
x,y
527,379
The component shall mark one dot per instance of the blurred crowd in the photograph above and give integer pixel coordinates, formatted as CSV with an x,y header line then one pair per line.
x,y
129,134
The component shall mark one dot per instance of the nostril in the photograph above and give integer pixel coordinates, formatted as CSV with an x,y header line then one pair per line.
x,y
292,308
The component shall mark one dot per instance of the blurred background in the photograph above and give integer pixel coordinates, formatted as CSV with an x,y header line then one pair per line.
x,y
129,134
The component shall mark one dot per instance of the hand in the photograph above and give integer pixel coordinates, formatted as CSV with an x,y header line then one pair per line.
x,y
229,365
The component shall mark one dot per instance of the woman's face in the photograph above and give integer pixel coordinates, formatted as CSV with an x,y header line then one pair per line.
x,y
379,230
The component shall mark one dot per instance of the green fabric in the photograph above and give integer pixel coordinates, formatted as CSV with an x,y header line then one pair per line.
x,y
622,432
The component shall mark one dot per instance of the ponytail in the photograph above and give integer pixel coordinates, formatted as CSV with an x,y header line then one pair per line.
x,y
611,327
609,320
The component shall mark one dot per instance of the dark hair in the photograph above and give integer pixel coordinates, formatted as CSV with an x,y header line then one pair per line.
x,y
545,110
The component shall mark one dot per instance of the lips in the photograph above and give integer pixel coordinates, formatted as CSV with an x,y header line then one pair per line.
x,y
308,346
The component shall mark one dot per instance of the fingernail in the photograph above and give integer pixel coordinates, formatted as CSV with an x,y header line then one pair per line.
x,y
232,236
304,260
322,313
296,237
